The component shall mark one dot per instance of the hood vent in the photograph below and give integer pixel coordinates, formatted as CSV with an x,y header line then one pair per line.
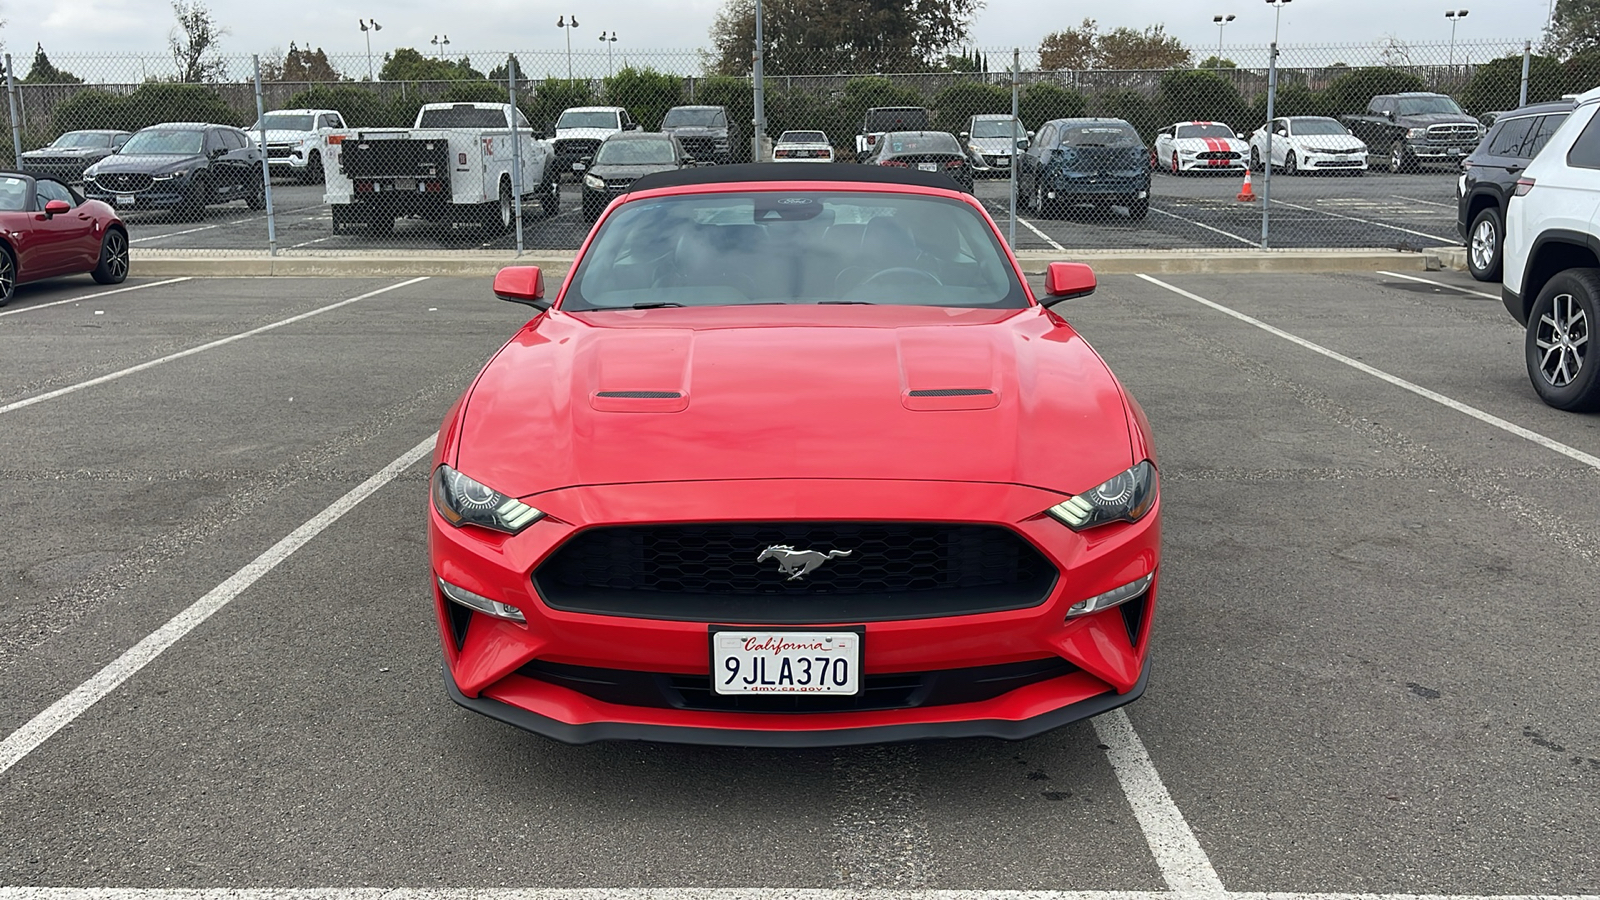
x,y
953,392
640,395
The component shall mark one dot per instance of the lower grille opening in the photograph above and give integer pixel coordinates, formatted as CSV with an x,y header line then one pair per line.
x,y
907,690
460,617
1133,618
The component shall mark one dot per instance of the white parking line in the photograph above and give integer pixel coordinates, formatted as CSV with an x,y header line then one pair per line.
x,y
1551,444
419,893
1441,284
51,395
1323,212
121,290
1177,851
1226,234
61,713
1042,236
245,220
157,237
1424,202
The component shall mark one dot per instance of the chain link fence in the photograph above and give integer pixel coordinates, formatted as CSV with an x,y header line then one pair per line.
x,y
413,153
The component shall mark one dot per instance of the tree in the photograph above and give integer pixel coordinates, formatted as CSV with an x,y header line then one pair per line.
x,y
805,37
1070,49
1574,27
1217,62
307,66
1041,101
646,93
1497,84
1151,48
193,42
45,73
1204,96
553,95
501,73
1350,92
960,101
406,64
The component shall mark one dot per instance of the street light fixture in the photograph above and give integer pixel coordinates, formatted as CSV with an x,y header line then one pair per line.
x,y
441,47
564,25
609,41
368,26
1272,92
1455,16
1221,21
1277,5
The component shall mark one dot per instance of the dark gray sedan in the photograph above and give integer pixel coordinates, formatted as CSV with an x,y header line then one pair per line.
x,y
71,153
624,157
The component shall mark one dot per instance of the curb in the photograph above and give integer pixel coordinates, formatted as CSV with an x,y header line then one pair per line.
x,y
233,264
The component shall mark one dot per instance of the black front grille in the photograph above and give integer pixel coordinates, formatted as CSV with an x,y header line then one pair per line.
x,y
279,151
812,571
699,147
577,147
907,690
124,182
1217,154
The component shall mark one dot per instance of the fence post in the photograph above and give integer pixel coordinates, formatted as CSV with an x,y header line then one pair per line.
x,y
266,171
16,120
1527,57
1266,164
757,73
516,148
1016,86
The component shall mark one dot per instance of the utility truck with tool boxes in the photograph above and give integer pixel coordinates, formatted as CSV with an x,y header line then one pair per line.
x,y
456,164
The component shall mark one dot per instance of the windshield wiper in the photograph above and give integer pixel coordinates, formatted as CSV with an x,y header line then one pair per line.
x,y
845,303
655,304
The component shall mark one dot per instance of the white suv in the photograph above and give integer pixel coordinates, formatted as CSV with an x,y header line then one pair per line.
x,y
1552,261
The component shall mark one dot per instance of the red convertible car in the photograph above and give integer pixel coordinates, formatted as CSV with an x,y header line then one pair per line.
x,y
48,229
794,459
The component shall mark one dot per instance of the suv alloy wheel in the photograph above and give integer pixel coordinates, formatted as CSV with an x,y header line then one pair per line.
x,y
1559,344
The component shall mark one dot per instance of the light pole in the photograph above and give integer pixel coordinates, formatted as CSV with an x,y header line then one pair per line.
x,y
608,42
758,56
1221,21
564,25
1272,91
1277,5
440,47
1455,16
368,26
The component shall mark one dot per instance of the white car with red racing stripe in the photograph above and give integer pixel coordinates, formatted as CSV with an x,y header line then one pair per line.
x,y
1199,147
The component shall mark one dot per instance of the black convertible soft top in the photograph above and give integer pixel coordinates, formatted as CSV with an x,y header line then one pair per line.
x,y
758,172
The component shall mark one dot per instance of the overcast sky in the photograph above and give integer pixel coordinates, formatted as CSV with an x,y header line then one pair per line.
x,y
72,27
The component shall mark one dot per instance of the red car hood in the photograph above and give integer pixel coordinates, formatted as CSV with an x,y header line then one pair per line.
x,y
858,392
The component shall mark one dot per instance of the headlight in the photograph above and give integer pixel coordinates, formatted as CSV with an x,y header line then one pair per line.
x,y
462,501
1416,134
1124,498
594,181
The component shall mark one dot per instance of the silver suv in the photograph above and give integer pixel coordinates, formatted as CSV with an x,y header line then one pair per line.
x,y
1552,261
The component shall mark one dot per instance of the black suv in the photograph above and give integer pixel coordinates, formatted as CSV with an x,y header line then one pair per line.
x,y
182,166
1490,177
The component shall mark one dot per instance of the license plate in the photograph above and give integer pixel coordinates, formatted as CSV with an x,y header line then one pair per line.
x,y
928,167
578,167
125,200
405,184
786,662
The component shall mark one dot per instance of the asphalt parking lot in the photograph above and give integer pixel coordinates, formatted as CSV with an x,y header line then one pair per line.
x,y
1374,651
1408,211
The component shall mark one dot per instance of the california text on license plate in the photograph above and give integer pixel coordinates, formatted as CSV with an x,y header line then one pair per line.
x,y
786,662
928,167
124,199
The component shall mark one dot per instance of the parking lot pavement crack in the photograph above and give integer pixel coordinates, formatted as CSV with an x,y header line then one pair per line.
x,y
879,824
1480,484
255,491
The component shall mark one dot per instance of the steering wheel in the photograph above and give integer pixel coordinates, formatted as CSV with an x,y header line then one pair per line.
x,y
899,274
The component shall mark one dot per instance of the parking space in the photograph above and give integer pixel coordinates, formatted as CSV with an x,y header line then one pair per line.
x,y
1372,662
1409,211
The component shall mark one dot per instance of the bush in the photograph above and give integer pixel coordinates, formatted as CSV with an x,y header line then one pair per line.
x,y
1294,99
1132,107
151,104
553,95
1350,92
1497,84
90,109
361,107
646,93
862,94
959,102
1040,102
473,92
1578,74
1200,95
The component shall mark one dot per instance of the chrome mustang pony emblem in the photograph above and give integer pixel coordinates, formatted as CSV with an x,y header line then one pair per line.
x,y
798,563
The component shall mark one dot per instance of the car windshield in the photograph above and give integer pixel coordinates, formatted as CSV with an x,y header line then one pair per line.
x,y
156,142
803,137
879,120
284,122
804,247
13,193
921,142
462,117
707,118
635,152
596,119
1317,126
1208,130
1421,106
82,139
997,128
1111,135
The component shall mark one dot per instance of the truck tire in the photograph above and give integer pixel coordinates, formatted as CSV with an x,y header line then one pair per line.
x,y
500,216
550,196
1400,158
313,173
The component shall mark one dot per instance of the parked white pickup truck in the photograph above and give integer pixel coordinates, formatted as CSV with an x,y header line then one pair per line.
x,y
297,140
453,165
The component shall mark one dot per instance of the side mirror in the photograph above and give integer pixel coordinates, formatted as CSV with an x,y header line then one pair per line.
x,y
586,161
965,135
1067,281
1022,143
690,161
53,208
521,284
1239,135
219,153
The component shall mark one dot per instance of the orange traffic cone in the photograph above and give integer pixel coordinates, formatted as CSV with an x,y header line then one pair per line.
x,y
1245,194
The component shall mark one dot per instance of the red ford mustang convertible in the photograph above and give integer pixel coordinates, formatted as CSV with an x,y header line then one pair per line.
x,y
794,459
47,229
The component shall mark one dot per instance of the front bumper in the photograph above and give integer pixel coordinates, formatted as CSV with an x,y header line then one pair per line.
x,y
1068,187
161,195
70,172
499,668
1440,153
1354,161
